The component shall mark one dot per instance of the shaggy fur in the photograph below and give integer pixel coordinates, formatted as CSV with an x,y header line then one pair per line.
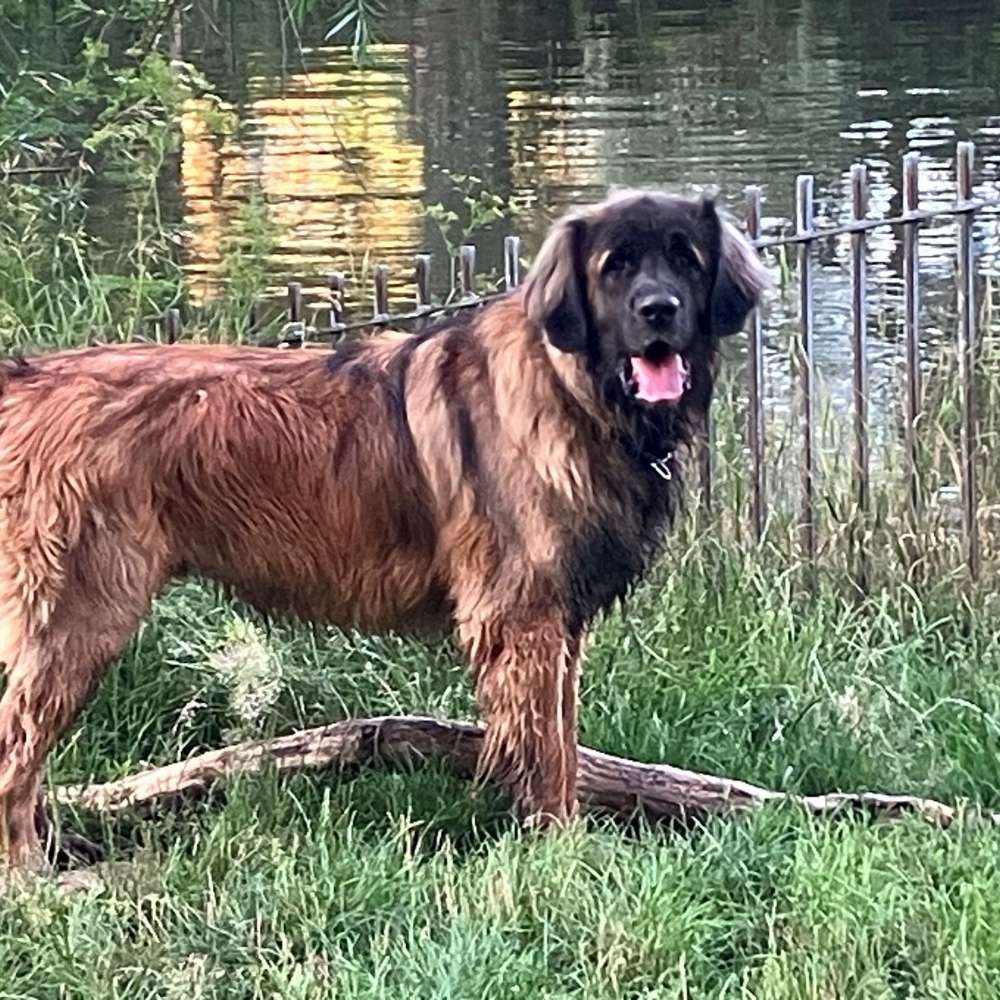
x,y
495,474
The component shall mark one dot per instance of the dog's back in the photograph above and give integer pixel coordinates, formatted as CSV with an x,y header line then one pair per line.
x,y
254,467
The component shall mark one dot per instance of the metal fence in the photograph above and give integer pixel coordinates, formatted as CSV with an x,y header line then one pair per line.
x,y
297,333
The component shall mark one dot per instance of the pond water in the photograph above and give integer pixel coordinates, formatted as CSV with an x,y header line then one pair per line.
x,y
550,104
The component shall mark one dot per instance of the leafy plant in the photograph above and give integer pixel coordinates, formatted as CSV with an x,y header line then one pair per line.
x,y
479,209
113,114
245,253
360,17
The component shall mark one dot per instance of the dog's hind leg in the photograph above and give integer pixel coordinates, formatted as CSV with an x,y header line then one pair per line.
x,y
51,670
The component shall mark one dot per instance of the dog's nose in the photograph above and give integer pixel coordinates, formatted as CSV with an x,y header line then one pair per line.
x,y
658,310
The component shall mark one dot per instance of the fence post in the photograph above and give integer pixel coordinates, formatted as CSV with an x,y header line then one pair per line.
x,y
755,427
911,324
172,325
422,279
294,302
706,468
380,283
859,347
335,286
964,159
467,272
804,227
511,262
295,329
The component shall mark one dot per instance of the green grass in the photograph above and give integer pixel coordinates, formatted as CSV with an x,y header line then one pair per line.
x,y
394,885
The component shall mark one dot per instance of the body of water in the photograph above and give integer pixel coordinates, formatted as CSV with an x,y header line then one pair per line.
x,y
548,105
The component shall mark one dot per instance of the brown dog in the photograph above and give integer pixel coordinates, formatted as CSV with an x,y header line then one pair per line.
x,y
509,472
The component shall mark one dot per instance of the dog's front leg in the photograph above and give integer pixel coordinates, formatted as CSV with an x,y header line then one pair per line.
x,y
525,664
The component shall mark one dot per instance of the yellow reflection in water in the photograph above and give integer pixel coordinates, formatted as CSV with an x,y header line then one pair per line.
x,y
332,156
552,147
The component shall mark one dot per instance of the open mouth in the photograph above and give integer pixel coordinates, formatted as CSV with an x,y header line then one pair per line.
x,y
663,379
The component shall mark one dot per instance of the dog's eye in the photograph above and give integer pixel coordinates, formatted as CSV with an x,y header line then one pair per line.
x,y
680,250
618,261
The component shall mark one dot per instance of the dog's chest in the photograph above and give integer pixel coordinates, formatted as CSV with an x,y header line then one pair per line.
x,y
610,551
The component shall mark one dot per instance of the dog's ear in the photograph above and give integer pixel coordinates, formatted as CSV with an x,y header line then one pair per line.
x,y
740,282
555,291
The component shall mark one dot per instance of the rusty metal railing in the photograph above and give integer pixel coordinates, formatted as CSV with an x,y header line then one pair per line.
x,y
805,236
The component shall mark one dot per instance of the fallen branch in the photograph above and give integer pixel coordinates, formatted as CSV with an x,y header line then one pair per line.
x,y
606,783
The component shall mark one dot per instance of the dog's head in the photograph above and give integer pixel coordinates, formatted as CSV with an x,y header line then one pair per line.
x,y
644,285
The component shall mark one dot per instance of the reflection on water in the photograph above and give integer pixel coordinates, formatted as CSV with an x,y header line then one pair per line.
x,y
330,154
552,103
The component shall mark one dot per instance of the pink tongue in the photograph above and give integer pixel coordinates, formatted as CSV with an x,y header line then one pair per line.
x,y
660,381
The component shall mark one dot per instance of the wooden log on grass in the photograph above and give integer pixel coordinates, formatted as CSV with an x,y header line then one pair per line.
x,y
607,783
